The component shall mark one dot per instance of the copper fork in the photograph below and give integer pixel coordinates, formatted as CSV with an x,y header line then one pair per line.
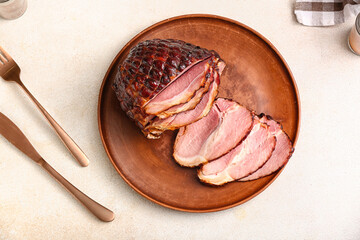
x,y
10,71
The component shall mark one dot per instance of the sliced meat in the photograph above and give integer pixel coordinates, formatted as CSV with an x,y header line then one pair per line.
x,y
191,104
185,118
226,125
282,152
242,160
179,91
191,138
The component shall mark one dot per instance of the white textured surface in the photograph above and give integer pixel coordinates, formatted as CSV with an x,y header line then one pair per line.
x,y
64,49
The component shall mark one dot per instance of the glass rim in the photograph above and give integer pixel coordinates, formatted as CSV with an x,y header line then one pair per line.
x,y
357,23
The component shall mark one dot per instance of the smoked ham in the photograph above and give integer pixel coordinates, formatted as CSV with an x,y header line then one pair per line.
x,y
166,84
159,74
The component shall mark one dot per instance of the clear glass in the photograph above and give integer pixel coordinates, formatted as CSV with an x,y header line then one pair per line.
x,y
12,9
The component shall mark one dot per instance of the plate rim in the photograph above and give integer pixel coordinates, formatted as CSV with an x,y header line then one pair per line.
x,y
211,16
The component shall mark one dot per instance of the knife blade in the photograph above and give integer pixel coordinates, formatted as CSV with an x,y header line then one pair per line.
x,y
15,136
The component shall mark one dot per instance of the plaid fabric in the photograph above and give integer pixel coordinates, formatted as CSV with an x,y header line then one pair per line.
x,y
325,12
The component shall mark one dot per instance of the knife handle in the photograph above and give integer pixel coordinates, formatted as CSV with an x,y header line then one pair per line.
x,y
95,208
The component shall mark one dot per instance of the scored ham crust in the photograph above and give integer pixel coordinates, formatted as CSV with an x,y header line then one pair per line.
x,y
227,124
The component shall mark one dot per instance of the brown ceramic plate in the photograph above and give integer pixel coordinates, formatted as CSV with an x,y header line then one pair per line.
x,y
256,76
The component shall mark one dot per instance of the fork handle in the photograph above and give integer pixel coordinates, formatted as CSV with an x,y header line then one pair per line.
x,y
95,208
65,138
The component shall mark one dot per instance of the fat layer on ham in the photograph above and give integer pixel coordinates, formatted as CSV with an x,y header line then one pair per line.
x,y
188,117
191,104
214,135
242,160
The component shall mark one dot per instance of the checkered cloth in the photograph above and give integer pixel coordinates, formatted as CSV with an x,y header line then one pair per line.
x,y
325,12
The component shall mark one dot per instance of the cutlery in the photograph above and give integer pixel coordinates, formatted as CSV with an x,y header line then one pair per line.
x,y
14,135
10,71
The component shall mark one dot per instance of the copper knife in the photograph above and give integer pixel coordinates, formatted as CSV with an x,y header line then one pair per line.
x,y
14,135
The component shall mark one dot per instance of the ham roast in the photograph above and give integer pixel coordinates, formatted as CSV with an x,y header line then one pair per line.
x,y
161,74
166,84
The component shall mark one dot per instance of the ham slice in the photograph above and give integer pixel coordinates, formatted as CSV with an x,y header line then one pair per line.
x,y
280,156
188,117
226,125
242,160
181,90
191,104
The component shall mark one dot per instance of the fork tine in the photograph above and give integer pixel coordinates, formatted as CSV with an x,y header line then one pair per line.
x,y
2,59
4,56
